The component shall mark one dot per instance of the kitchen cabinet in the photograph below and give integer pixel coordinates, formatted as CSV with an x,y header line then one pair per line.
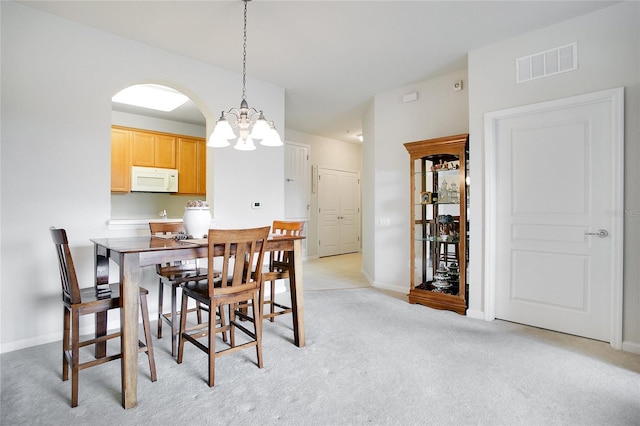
x,y
192,166
135,147
152,149
439,229
120,160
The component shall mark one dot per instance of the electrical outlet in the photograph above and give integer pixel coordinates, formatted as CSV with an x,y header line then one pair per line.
x,y
256,205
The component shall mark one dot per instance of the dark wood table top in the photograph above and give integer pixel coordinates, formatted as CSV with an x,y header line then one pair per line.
x,y
151,243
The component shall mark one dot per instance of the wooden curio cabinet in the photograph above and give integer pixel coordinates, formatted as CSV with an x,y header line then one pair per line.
x,y
439,227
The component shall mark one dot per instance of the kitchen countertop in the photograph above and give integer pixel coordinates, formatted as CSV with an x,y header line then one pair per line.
x,y
137,223
143,224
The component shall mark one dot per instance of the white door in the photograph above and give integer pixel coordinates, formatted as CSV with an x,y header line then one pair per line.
x,y
338,212
296,182
349,216
558,184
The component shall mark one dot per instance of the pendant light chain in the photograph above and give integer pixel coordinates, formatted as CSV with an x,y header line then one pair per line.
x,y
249,123
244,54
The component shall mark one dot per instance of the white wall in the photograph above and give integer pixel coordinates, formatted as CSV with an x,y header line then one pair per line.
x,y
58,78
609,56
332,154
439,111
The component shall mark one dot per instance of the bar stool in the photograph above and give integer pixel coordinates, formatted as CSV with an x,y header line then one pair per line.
x,y
92,300
173,275
278,268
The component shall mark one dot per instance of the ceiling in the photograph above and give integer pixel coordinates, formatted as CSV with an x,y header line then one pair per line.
x,y
331,57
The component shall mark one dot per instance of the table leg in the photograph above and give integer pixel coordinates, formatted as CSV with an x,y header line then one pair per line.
x,y
295,282
129,279
102,277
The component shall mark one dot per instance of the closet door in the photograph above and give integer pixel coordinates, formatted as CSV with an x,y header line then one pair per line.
x,y
338,212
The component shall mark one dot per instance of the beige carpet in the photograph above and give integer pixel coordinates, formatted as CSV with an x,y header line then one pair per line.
x,y
371,359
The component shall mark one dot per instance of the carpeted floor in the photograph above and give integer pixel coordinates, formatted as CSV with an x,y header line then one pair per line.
x,y
370,358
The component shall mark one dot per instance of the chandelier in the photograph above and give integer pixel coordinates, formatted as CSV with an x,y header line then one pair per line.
x,y
249,122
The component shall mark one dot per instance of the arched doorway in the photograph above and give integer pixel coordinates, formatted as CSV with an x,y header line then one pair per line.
x,y
182,125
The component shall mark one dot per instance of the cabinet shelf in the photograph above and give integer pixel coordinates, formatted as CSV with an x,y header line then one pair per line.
x,y
431,204
433,238
439,228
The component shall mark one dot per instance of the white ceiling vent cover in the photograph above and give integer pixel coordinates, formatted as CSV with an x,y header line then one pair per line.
x,y
550,62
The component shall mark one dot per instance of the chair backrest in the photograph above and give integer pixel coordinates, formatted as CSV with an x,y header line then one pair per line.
x,y
241,252
170,228
166,228
68,278
281,227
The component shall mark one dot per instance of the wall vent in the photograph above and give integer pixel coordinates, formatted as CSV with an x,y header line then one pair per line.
x,y
544,64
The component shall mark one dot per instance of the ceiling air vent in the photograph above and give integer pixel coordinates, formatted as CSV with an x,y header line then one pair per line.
x,y
550,62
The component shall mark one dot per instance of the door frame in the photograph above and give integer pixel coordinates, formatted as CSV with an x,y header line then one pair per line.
x,y
615,97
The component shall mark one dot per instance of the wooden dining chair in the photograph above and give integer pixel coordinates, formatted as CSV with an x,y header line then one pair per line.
x,y
173,274
83,301
240,252
278,268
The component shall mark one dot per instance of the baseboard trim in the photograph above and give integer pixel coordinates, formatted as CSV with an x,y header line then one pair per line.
x,y
472,313
16,345
367,276
390,287
634,348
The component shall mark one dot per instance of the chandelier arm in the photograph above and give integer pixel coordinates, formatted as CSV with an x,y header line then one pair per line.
x,y
237,113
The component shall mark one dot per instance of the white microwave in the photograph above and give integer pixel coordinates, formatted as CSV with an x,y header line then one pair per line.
x,y
151,179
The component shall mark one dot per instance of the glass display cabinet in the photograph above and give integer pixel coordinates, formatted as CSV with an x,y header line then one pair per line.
x,y
439,227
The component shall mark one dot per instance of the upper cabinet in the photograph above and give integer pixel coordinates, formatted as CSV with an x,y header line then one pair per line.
x,y
192,166
120,160
154,150
135,147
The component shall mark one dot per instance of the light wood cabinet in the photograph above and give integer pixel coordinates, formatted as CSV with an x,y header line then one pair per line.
x,y
154,150
120,160
192,166
135,147
439,239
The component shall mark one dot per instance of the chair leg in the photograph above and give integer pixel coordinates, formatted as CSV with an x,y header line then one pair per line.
x,y
257,323
223,322
101,330
65,343
183,326
261,294
75,356
272,300
232,323
212,345
199,312
160,303
146,326
174,319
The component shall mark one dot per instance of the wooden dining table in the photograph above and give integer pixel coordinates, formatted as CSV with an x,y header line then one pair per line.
x,y
133,253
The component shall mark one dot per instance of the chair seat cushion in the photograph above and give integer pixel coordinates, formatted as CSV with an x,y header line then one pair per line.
x,y
198,290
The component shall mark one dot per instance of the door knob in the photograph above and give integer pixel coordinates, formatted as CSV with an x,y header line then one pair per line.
x,y
602,233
